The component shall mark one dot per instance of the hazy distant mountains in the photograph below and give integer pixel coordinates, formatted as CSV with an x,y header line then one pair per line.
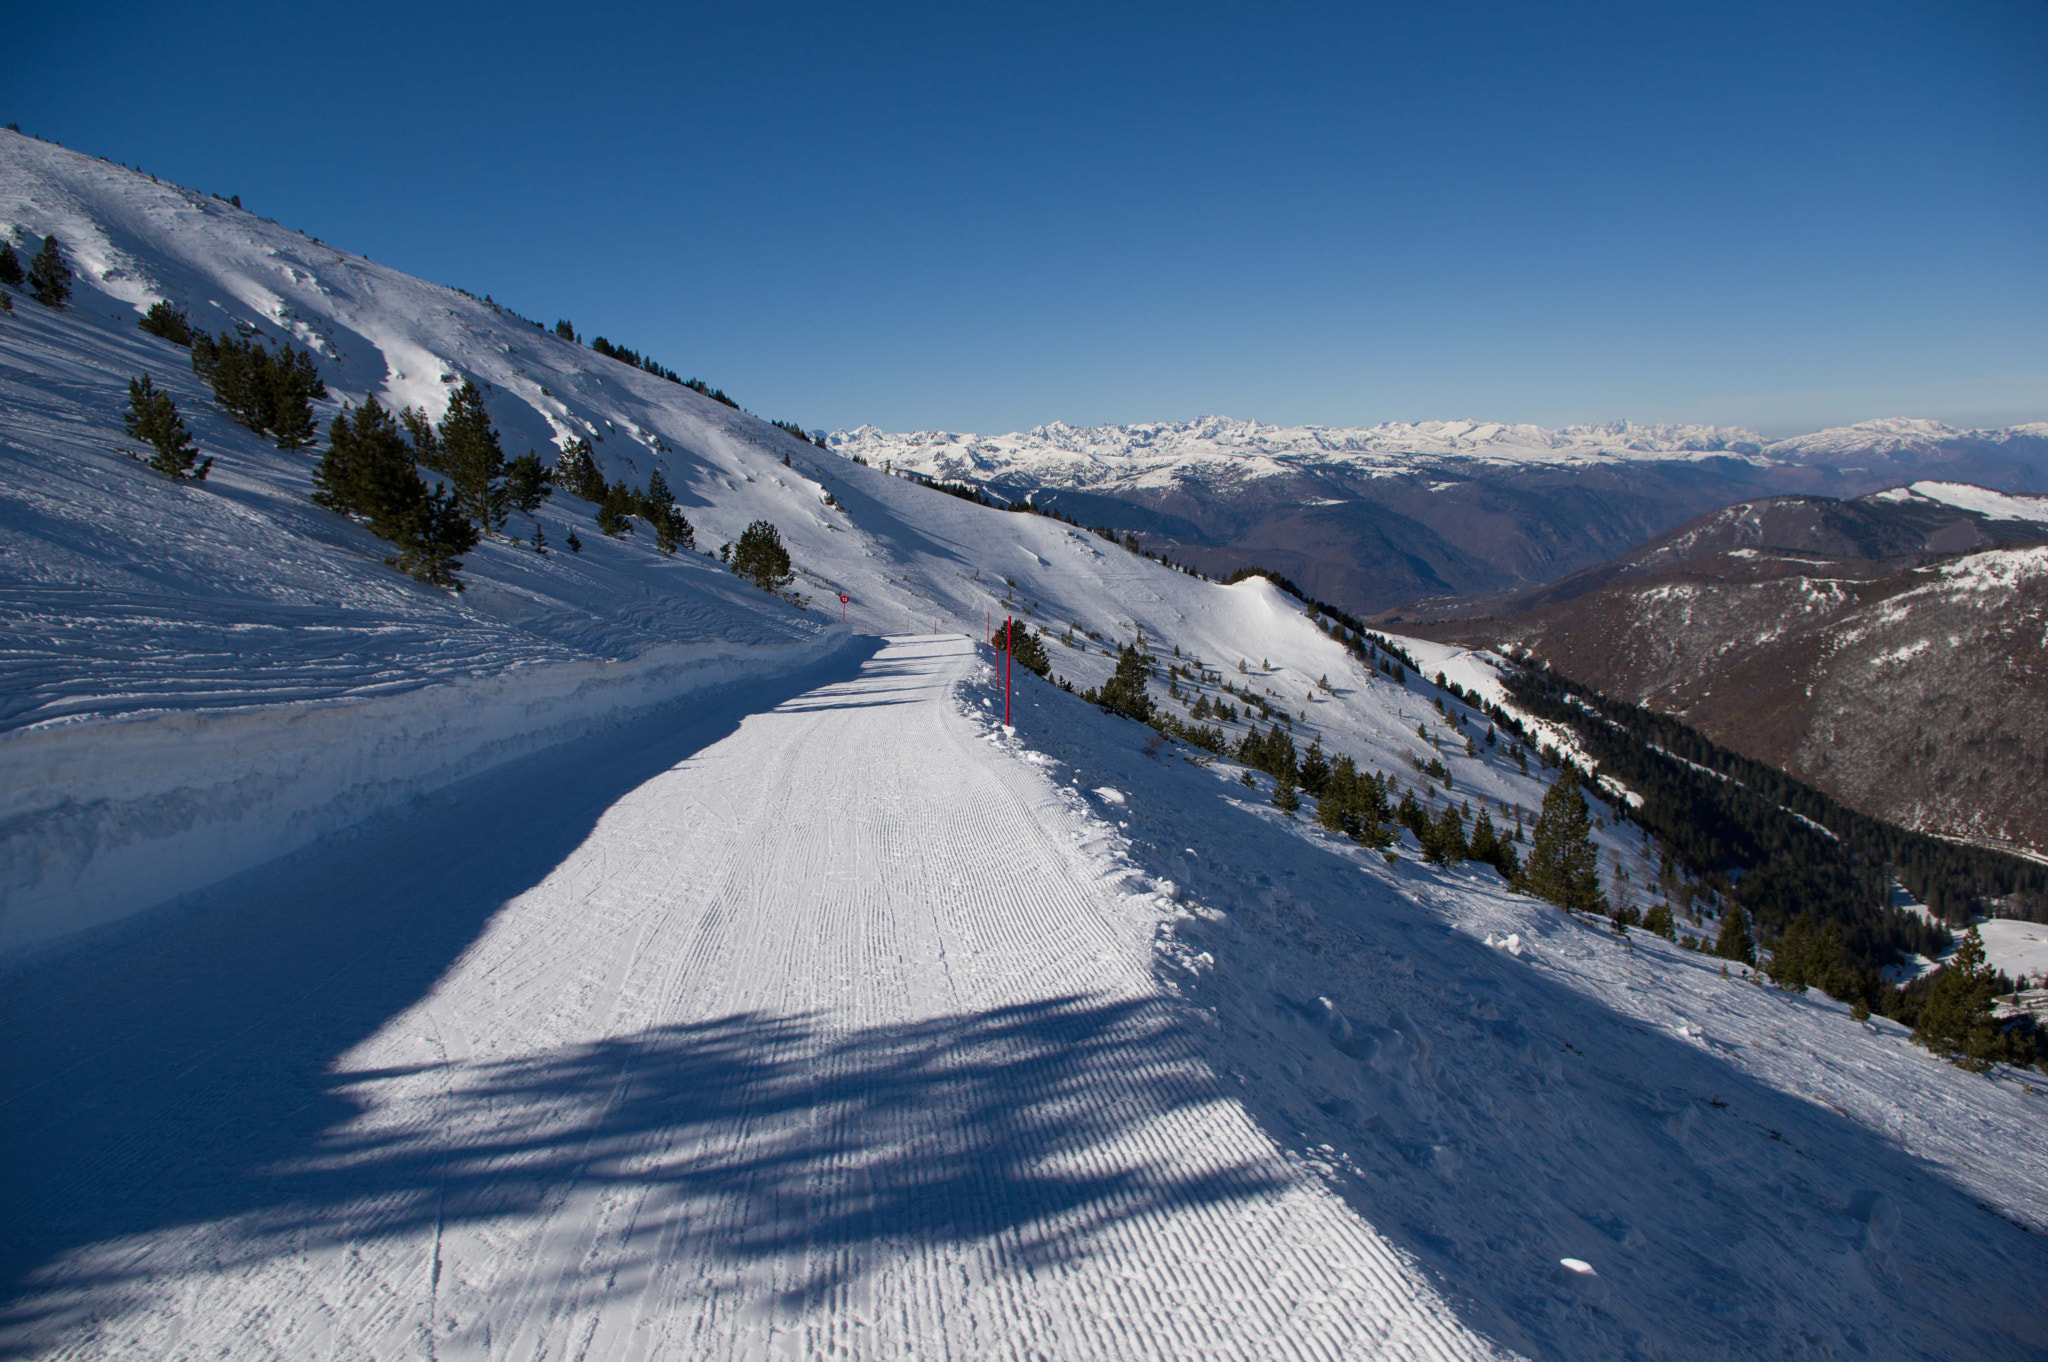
x,y
1379,516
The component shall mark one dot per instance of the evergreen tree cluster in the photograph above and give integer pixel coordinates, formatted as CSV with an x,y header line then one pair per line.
x,y
646,364
368,471
154,420
262,390
1819,903
1955,1017
1351,801
792,428
10,266
576,472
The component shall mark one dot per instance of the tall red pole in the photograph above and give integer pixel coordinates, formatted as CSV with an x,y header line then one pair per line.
x,y
1009,637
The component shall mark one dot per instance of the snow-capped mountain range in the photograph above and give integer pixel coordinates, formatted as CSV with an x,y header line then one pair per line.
x,y
1378,517
1224,449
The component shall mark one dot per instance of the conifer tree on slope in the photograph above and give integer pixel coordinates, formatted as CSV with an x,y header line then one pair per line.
x,y
1563,865
153,419
368,471
1124,692
528,482
1956,1020
49,278
291,380
10,266
1734,941
761,558
473,460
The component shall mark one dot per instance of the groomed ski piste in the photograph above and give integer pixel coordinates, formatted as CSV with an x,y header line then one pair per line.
x,y
615,961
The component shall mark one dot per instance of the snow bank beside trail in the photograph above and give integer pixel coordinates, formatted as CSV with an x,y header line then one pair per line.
x,y
101,820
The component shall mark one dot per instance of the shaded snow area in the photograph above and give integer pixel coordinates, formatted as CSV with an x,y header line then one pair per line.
x,y
616,961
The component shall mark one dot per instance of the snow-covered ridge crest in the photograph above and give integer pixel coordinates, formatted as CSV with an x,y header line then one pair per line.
x,y
1062,452
1212,446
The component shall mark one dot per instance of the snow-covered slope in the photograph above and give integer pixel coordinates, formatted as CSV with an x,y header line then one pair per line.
x,y
660,969
1980,500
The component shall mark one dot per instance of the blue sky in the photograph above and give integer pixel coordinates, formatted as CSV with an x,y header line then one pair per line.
x,y
984,217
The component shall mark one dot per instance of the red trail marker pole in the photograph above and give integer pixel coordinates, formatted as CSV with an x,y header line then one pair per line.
x,y
1009,637
843,599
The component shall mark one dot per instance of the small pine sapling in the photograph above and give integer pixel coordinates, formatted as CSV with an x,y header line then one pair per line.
x,y
575,544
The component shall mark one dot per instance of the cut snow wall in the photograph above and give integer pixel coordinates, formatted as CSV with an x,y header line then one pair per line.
x,y
101,820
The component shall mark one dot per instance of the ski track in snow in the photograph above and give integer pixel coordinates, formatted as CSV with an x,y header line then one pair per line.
x,y
829,1040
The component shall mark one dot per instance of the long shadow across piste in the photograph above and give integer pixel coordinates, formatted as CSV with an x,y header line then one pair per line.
x,y
182,1071
149,1074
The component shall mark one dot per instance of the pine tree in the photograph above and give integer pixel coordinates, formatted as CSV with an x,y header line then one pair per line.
x,y
655,501
565,331
10,266
1029,650
1445,842
426,442
49,278
1285,796
1124,693
1563,865
473,460
237,370
168,322
1734,941
527,483
368,470
1658,920
153,419
1956,1018
575,544
1315,769
615,512
760,557
431,544
290,381
576,472
540,539
674,531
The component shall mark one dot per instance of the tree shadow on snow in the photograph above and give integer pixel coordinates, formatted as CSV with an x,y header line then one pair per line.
x,y
1491,1120
180,1070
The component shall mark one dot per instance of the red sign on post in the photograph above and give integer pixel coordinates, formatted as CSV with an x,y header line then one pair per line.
x,y
843,599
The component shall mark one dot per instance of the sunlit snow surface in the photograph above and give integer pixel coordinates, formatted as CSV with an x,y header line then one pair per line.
x,y
660,970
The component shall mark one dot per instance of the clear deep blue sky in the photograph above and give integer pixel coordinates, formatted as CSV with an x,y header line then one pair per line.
x,y
976,217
